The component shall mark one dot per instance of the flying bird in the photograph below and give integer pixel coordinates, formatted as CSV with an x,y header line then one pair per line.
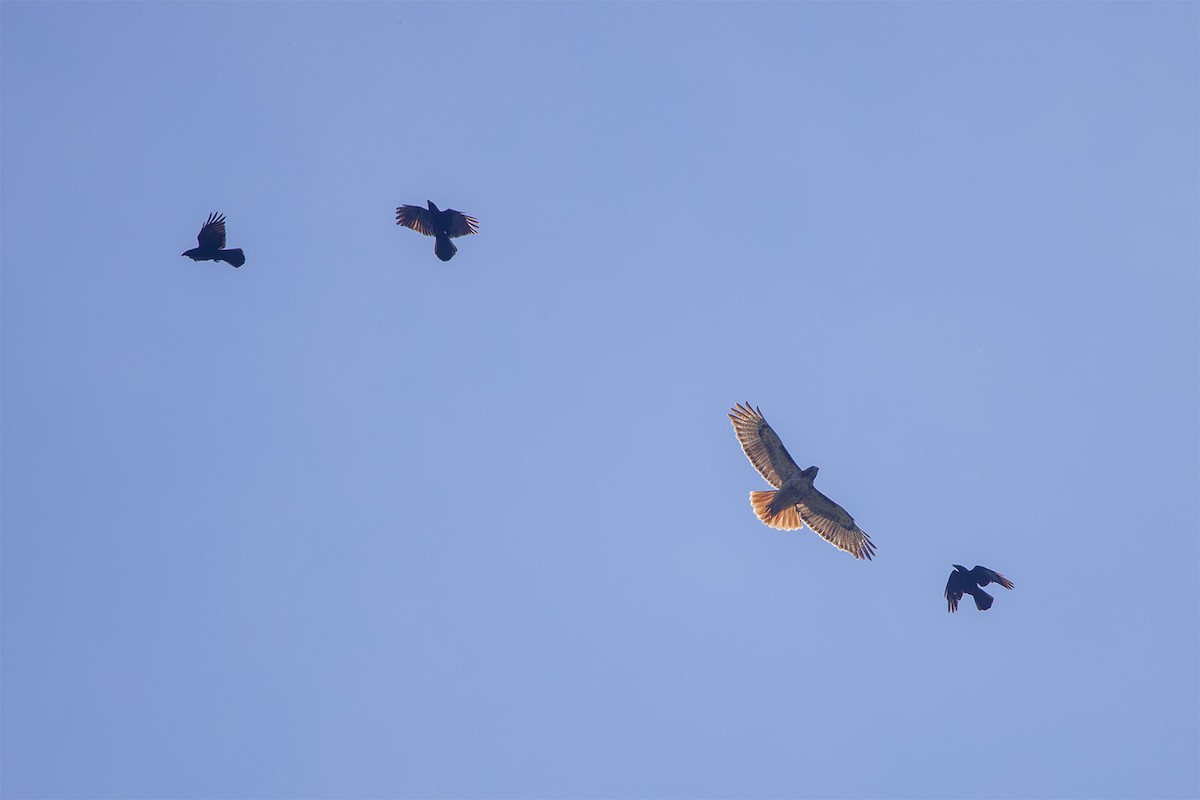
x,y
970,581
211,240
444,225
796,501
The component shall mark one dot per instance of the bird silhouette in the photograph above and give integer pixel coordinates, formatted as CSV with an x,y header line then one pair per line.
x,y
970,581
443,225
211,241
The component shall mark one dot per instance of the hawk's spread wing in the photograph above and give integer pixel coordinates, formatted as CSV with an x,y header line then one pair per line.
x,y
762,446
835,525
212,235
458,223
417,218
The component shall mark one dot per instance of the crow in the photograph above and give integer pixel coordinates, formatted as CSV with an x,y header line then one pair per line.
x,y
445,225
969,581
212,241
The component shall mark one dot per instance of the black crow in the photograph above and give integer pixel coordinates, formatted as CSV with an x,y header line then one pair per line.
x,y
969,581
432,221
212,241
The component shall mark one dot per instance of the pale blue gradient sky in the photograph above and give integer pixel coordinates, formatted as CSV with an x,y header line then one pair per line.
x,y
352,522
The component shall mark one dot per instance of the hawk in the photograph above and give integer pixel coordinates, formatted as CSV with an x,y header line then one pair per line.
x,y
796,501
211,241
444,225
970,581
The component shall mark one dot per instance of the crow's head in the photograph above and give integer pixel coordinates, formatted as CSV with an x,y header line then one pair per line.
x,y
433,207
959,568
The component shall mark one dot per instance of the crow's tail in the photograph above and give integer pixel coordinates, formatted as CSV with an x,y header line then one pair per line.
x,y
234,257
443,248
983,600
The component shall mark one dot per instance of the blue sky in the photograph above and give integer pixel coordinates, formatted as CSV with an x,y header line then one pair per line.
x,y
352,522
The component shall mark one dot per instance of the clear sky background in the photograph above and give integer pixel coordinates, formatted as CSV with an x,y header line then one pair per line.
x,y
352,522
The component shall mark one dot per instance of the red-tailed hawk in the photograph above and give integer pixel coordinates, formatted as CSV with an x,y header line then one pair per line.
x,y
969,581
796,501
444,225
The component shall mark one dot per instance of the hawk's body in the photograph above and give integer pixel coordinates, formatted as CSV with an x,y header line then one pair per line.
x,y
971,581
796,501
443,225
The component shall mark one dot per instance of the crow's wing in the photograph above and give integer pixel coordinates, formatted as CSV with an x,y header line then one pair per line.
x,y
459,224
954,590
419,219
983,576
212,235
762,446
834,525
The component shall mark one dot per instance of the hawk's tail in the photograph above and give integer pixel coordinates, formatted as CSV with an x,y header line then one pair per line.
x,y
786,519
443,248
